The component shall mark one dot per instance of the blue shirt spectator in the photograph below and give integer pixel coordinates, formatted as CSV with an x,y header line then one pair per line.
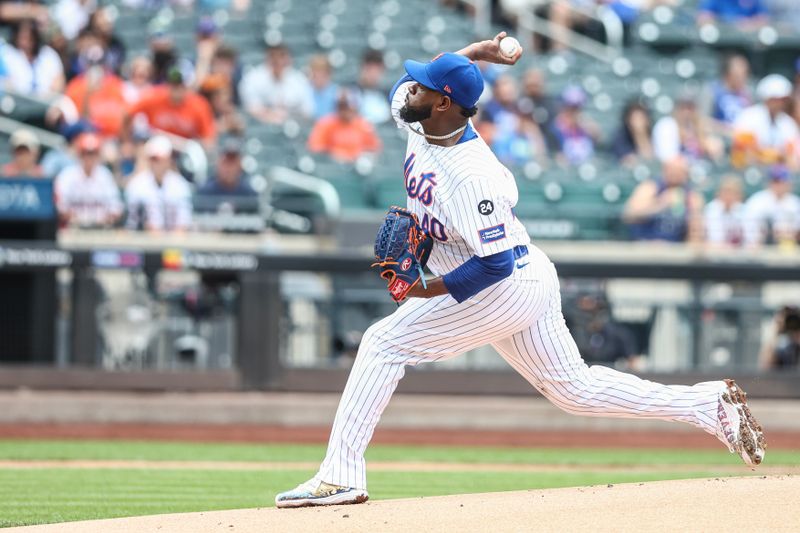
x,y
666,209
731,94
325,91
732,11
574,135
229,179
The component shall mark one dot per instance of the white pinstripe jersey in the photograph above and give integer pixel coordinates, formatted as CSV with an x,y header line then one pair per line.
x,y
462,195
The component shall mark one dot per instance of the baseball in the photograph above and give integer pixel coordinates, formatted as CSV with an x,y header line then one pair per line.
x,y
509,46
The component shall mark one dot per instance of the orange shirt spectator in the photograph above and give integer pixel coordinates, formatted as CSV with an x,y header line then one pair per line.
x,y
178,110
344,135
99,96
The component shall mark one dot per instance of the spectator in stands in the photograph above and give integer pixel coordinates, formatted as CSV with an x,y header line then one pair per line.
x,y
225,65
772,215
535,101
632,142
101,24
176,109
599,338
37,68
575,135
158,198
499,114
86,195
746,14
731,94
724,215
276,91
515,138
57,159
99,96
24,156
139,79
81,52
374,104
764,133
781,351
206,45
229,179
666,209
325,91
344,135
216,89
686,132
165,56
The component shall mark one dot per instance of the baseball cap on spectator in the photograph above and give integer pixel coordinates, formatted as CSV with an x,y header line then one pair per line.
x,y
779,173
573,96
774,86
450,74
24,138
174,76
158,147
88,143
206,26
72,131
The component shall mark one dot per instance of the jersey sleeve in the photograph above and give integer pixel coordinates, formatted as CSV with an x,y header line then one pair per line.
x,y
397,99
482,216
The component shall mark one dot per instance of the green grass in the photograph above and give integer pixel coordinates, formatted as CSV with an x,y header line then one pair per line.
x,y
181,451
35,496
58,495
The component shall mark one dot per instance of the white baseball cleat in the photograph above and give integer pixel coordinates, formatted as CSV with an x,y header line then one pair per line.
x,y
316,492
737,428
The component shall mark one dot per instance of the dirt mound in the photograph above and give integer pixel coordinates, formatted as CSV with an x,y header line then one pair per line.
x,y
741,504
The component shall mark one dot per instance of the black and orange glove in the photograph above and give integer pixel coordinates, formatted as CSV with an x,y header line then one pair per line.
x,y
402,249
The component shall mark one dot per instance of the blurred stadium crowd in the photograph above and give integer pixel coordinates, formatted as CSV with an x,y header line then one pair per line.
x,y
683,147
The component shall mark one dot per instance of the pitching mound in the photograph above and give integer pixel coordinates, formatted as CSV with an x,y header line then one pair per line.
x,y
743,504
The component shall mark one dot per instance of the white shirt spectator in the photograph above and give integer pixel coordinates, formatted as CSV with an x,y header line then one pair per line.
x,y
292,91
35,77
756,120
666,139
88,201
159,207
724,226
764,210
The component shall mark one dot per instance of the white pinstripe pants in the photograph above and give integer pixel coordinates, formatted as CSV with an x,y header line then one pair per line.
x,y
521,318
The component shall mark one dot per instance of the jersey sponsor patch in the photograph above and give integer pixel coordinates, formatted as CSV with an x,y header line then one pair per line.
x,y
485,207
494,233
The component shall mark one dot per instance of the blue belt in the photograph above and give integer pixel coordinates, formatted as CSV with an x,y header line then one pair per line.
x,y
520,251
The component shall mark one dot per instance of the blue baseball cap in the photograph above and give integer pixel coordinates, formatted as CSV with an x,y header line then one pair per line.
x,y
779,173
450,74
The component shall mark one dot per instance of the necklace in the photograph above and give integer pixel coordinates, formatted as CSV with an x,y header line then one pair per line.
x,y
439,137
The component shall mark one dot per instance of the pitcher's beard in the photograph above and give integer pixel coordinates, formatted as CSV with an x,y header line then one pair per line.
x,y
410,114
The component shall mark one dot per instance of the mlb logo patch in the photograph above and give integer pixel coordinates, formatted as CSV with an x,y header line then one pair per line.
x,y
494,233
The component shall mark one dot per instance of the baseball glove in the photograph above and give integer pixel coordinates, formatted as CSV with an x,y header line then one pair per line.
x,y
402,249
